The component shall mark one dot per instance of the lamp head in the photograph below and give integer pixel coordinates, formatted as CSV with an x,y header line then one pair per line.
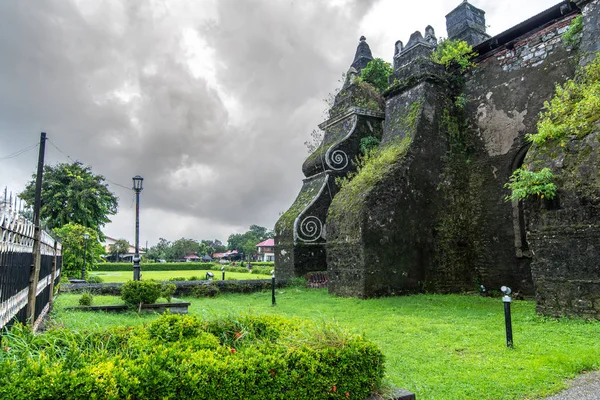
x,y
506,290
137,183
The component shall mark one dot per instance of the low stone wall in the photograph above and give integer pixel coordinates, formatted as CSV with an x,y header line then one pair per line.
x,y
184,288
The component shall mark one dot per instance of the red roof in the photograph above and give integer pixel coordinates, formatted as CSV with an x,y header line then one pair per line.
x,y
267,243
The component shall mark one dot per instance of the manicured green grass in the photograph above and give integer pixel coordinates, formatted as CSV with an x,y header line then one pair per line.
x,y
439,346
124,276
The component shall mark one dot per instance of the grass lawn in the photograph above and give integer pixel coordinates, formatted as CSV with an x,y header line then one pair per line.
x,y
124,276
439,346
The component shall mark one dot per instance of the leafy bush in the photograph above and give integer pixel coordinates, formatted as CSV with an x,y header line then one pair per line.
x,y
377,73
167,291
144,292
178,279
367,144
181,266
571,36
95,279
525,183
574,109
454,52
181,357
86,299
263,263
208,290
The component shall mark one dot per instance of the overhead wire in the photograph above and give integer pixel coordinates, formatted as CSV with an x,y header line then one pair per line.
x,y
19,152
72,160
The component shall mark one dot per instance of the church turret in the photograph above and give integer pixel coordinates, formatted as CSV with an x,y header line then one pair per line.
x,y
363,55
467,22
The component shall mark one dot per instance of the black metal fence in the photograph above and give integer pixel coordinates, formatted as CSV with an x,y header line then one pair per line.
x,y
16,259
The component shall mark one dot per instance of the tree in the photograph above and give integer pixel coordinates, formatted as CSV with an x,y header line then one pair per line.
x,y
71,193
246,242
160,250
74,246
182,247
118,248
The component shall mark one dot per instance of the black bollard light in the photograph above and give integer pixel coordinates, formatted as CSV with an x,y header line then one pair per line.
x,y
209,276
482,291
507,319
223,273
273,287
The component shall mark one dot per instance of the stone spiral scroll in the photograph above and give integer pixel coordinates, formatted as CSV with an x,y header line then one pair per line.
x,y
310,229
337,160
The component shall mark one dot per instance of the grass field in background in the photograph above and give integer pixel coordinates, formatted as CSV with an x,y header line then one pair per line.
x,y
124,276
438,346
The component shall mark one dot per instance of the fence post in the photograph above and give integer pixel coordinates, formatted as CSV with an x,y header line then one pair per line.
x,y
53,276
34,273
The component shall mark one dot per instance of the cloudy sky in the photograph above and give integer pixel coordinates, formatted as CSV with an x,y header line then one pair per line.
x,y
210,101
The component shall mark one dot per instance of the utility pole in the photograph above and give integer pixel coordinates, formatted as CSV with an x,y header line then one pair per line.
x,y
36,258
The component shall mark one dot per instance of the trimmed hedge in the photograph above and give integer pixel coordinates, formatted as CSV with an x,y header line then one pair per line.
x,y
185,266
182,357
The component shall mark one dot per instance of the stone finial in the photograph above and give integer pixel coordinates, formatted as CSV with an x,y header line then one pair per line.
x,y
398,47
415,38
363,55
430,35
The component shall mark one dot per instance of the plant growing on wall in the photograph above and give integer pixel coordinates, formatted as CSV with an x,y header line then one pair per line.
x,y
573,110
572,35
524,184
454,52
377,73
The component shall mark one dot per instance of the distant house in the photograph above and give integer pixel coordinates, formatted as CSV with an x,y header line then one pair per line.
x,y
230,255
192,258
108,241
266,250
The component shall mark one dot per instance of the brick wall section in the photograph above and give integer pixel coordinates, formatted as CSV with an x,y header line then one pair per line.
x,y
531,51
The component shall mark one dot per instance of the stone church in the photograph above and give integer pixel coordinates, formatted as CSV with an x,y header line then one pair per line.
x,y
430,214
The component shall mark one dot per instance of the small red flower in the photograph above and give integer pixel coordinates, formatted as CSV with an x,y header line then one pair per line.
x,y
233,350
238,335
334,388
347,394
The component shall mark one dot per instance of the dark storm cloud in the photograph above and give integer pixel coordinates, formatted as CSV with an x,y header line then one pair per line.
x,y
112,88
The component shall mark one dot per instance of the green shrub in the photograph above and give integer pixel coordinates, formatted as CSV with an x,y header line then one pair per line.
x,y
181,266
454,52
144,292
571,36
377,73
178,279
180,357
206,290
367,144
525,183
167,291
95,279
86,299
574,109
172,327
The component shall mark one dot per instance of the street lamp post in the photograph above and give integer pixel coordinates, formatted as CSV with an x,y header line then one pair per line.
x,y
137,187
85,238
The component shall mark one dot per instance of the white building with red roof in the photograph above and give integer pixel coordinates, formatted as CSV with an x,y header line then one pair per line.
x,y
266,250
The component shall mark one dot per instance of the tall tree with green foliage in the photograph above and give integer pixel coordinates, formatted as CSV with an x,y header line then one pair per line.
x,y
72,194
118,248
74,247
182,247
246,242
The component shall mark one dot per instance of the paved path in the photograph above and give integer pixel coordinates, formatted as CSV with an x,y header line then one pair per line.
x,y
584,387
